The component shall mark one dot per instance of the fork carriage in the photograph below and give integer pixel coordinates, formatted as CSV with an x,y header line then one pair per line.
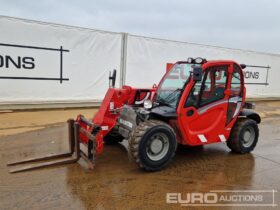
x,y
75,153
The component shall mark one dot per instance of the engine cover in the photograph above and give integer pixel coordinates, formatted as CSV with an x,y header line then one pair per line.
x,y
127,120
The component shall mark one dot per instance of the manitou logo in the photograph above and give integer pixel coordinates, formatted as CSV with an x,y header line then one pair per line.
x,y
18,62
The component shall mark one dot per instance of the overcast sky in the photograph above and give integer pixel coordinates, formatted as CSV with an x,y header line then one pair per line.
x,y
244,24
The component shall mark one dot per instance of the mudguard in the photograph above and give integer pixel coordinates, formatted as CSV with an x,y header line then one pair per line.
x,y
250,114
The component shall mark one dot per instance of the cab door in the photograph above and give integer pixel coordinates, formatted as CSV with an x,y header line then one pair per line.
x,y
203,115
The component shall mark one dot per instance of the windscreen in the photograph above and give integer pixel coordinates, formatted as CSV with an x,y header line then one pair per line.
x,y
170,88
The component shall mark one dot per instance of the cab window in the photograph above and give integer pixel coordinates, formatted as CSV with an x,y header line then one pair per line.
x,y
235,86
236,93
210,89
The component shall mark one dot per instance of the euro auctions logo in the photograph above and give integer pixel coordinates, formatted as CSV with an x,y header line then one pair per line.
x,y
263,198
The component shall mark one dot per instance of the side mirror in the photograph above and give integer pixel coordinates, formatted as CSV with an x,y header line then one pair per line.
x,y
197,73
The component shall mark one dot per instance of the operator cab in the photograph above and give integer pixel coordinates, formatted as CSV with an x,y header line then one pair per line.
x,y
205,95
172,84
170,88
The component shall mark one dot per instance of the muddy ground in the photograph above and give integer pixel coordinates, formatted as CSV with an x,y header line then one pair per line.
x,y
117,183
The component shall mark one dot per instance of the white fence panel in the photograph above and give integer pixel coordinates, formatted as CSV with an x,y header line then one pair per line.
x,y
49,63
147,58
42,62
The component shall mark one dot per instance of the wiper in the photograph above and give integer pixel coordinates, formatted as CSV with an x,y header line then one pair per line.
x,y
168,100
172,94
162,101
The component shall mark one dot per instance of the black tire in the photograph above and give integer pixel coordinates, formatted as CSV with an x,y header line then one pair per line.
x,y
238,141
113,139
142,139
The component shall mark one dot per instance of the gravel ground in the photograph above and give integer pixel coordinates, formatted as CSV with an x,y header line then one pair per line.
x,y
117,183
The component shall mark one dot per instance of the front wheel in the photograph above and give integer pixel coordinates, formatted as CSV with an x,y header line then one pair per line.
x,y
244,136
152,145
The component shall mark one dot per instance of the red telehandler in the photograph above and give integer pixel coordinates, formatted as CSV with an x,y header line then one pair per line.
x,y
197,102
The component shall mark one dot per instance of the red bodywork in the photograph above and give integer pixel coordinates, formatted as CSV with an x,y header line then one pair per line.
x,y
210,124
109,111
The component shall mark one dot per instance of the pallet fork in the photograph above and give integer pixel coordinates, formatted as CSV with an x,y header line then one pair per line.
x,y
75,153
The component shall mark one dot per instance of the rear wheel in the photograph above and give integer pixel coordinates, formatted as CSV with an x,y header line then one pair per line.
x,y
152,145
244,136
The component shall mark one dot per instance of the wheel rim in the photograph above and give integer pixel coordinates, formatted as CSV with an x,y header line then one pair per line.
x,y
157,147
248,136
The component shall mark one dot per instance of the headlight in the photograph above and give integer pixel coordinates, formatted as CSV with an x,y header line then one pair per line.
x,y
200,60
190,60
148,104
